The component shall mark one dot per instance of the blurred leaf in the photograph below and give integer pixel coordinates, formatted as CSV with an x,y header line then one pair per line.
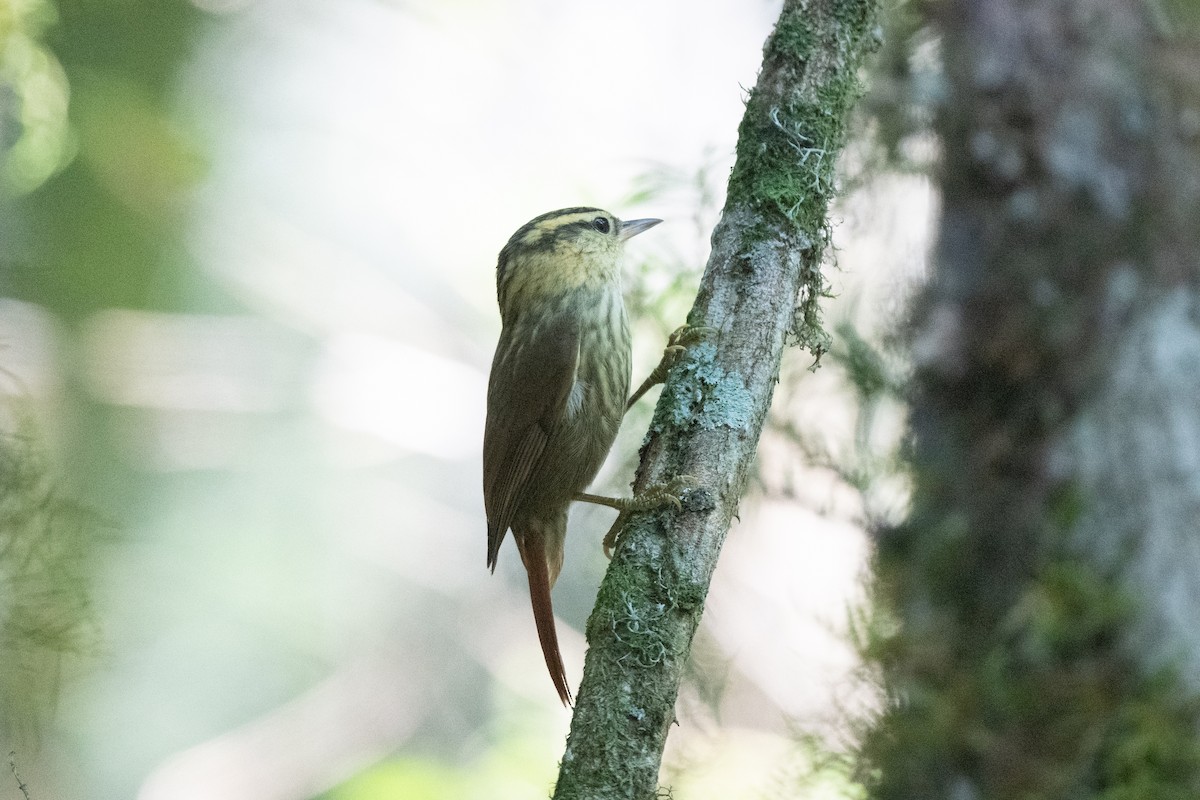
x,y
104,229
136,153
35,141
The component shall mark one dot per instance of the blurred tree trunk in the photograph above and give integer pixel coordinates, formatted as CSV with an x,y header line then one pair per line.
x,y
767,251
1047,582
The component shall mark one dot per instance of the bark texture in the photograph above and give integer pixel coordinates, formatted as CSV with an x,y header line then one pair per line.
x,y
767,252
1047,583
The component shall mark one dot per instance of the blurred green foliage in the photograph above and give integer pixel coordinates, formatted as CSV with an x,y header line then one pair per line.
x,y
44,605
94,176
94,169
34,141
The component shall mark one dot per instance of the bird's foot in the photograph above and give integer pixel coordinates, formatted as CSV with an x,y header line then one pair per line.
x,y
678,342
656,496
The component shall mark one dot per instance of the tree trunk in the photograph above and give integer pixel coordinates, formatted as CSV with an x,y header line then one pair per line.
x,y
767,250
1047,582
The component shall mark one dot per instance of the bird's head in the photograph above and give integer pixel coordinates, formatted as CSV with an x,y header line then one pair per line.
x,y
561,251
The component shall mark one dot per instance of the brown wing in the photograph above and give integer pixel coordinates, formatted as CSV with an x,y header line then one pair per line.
x,y
532,376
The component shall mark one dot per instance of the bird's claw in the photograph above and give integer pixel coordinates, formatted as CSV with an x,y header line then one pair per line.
x,y
656,496
685,336
680,340
610,538
678,343
669,492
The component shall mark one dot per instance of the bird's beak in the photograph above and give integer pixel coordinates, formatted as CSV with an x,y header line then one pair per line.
x,y
632,227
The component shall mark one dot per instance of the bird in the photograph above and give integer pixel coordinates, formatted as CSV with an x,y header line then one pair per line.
x,y
557,391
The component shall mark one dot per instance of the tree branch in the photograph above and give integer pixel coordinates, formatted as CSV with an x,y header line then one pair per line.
x,y
767,251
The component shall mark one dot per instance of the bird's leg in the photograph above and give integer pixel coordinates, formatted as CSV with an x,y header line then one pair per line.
x,y
657,496
684,337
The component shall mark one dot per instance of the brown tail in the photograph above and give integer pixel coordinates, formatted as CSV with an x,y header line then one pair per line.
x,y
533,553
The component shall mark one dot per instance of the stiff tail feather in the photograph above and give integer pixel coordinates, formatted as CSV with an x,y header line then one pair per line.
x,y
533,553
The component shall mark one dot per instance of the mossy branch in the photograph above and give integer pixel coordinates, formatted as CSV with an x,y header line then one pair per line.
x,y
766,257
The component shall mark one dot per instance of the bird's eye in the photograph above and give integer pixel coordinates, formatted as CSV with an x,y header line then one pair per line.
x,y
600,224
